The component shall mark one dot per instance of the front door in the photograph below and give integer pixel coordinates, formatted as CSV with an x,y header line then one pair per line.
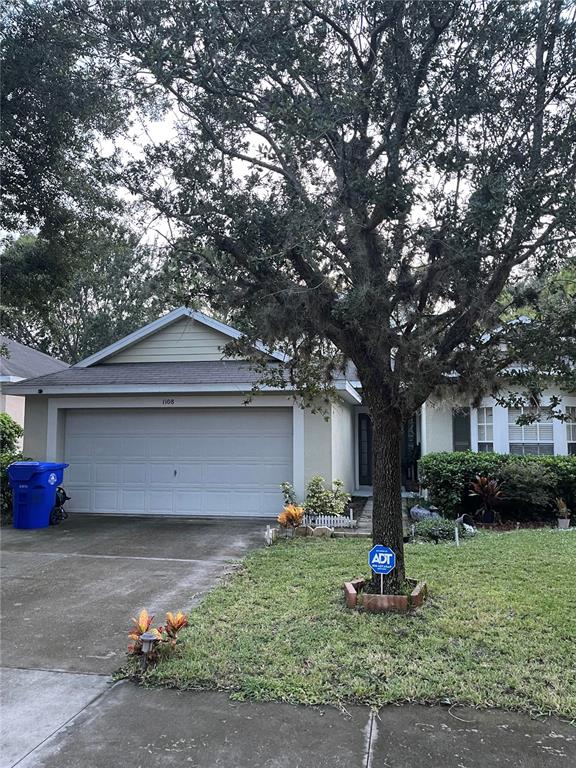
x,y
410,451
364,449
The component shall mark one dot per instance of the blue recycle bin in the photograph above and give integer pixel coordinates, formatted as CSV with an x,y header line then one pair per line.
x,y
34,486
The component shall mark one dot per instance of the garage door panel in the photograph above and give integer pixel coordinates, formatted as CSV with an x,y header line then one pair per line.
x,y
81,500
269,500
133,501
107,473
163,447
133,446
159,502
78,447
227,461
217,502
133,473
78,473
188,502
161,474
105,500
245,500
189,474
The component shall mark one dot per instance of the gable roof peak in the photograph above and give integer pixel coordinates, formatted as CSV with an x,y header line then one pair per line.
x,y
163,322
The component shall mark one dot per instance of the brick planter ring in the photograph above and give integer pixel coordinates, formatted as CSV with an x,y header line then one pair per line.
x,y
373,603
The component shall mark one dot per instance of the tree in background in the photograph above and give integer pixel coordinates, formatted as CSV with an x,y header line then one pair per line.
x,y
56,111
73,278
363,177
115,288
10,434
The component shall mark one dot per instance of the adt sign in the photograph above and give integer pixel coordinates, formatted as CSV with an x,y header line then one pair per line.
x,y
382,559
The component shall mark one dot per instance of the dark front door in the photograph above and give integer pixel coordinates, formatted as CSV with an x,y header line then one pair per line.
x,y
364,449
410,452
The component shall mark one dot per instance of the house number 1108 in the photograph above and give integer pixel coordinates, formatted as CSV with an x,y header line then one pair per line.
x,y
168,401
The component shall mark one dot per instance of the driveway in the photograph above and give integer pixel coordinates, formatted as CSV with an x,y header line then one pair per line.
x,y
68,595
69,592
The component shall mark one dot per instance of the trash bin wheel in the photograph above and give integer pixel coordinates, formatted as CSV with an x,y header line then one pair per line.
x,y
57,515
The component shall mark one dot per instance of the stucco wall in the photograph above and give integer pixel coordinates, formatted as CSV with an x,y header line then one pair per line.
x,y
343,419
317,447
185,339
13,406
36,428
438,428
329,444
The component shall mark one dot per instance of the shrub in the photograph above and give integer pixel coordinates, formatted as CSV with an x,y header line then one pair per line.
x,y
529,484
289,493
439,529
5,491
564,470
525,480
291,516
10,433
448,476
323,501
434,529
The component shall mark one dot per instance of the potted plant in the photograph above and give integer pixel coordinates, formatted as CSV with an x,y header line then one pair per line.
x,y
563,514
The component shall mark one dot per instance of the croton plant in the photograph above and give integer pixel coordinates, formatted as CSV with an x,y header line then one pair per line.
x,y
167,634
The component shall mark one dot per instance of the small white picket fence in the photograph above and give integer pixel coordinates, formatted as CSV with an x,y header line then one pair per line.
x,y
332,521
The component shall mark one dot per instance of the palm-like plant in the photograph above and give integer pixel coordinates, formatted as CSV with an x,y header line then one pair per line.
x,y
490,493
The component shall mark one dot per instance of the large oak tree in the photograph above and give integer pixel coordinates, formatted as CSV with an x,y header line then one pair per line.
x,y
363,178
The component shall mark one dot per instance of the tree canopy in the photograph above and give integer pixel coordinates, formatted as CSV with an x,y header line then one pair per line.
x,y
116,286
361,177
57,108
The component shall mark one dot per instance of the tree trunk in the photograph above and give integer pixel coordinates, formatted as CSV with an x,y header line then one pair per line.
x,y
387,426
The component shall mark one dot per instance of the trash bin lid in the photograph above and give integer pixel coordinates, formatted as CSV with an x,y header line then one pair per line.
x,y
44,466
21,471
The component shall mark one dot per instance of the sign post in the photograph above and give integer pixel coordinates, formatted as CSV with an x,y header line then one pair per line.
x,y
382,560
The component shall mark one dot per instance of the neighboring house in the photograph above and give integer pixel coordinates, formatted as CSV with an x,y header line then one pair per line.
x,y
157,423
18,362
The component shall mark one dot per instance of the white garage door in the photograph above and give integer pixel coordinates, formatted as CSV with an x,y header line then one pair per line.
x,y
192,461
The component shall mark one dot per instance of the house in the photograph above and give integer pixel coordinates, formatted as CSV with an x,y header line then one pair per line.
x,y
18,362
157,423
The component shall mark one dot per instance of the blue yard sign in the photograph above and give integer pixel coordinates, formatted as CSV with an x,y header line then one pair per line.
x,y
382,559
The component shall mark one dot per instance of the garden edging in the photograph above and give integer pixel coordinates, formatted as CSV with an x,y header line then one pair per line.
x,y
374,603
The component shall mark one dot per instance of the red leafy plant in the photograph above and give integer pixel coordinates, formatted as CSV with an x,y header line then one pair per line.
x,y
291,516
490,493
165,635
174,623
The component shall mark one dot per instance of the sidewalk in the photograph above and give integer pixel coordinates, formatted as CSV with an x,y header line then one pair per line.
x,y
158,728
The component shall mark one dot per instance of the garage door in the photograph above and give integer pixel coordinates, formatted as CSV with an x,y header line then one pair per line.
x,y
227,461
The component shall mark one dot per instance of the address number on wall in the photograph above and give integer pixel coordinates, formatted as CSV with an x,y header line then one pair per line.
x,y
168,401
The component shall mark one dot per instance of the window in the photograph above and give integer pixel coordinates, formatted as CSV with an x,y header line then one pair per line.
x,y
535,439
461,429
485,430
571,429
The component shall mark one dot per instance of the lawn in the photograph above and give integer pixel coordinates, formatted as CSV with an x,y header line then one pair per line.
x,y
499,628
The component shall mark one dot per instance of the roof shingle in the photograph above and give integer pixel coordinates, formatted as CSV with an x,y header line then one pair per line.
x,y
24,361
127,374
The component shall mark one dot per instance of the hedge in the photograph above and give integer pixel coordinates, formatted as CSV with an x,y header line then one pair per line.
x,y
5,491
447,477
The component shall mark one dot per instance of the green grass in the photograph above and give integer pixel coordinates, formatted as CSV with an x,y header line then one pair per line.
x,y
499,628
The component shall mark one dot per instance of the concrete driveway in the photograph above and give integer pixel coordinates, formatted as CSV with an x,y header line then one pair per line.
x,y
68,594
